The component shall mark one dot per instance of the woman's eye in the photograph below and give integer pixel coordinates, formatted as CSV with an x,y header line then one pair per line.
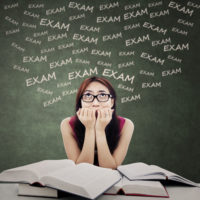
x,y
88,95
102,95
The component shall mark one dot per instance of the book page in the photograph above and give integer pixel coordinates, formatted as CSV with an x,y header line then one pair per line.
x,y
153,176
33,172
135,170
23,176
159,169
84,179
115,188
152,188
46,167
175,177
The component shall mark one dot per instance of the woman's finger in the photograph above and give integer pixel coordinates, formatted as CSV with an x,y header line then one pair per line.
x,y
78,112
86,112
92,113
82,112
99,114
106,113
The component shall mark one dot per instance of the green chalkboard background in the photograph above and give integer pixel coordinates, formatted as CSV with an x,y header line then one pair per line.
x,y
166,118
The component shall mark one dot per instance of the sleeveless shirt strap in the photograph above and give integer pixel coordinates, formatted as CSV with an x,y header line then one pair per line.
x,y
71,123
121,123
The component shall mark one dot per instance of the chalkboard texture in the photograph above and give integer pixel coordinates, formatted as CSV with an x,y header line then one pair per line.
x,y
148,50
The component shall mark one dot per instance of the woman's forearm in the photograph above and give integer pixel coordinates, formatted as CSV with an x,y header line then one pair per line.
x,y
87,152
105,158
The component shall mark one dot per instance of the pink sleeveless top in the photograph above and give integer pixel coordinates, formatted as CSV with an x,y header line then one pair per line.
x,y
121,124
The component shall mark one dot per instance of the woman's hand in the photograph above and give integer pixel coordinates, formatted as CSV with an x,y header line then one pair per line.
x,y
104,117
87,117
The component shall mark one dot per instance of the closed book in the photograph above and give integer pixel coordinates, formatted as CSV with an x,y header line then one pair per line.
x,y
25,189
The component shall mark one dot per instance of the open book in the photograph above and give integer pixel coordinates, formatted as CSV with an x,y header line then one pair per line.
x,y
82,179
124,186
142,171
139,188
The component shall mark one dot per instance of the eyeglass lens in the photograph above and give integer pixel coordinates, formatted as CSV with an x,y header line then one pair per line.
x,y
100,97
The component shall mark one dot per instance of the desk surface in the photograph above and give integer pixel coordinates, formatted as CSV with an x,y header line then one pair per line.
x,y
9,192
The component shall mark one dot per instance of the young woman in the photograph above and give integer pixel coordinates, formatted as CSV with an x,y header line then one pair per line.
x,y
96,134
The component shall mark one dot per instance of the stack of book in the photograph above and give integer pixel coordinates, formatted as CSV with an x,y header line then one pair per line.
x,y
50,177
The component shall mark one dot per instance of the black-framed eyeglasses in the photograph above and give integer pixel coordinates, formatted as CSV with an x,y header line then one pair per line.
x,y
88,98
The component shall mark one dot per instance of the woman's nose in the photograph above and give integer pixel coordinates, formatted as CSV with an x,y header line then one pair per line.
x,y
95,102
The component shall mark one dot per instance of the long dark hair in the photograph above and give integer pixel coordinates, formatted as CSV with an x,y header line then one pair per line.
x,y
112,129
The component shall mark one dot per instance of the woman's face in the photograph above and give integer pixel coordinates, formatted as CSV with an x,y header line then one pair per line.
x,y
96,88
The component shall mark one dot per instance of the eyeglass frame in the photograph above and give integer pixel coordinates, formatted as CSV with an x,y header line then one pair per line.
x,y
96,96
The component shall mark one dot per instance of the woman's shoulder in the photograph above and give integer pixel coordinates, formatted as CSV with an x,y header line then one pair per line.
x,y
127,123
67,126
125,120
66,123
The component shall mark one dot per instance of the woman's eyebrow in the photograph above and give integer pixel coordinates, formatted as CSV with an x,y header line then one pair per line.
x,y
101,91
88,91
93,91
